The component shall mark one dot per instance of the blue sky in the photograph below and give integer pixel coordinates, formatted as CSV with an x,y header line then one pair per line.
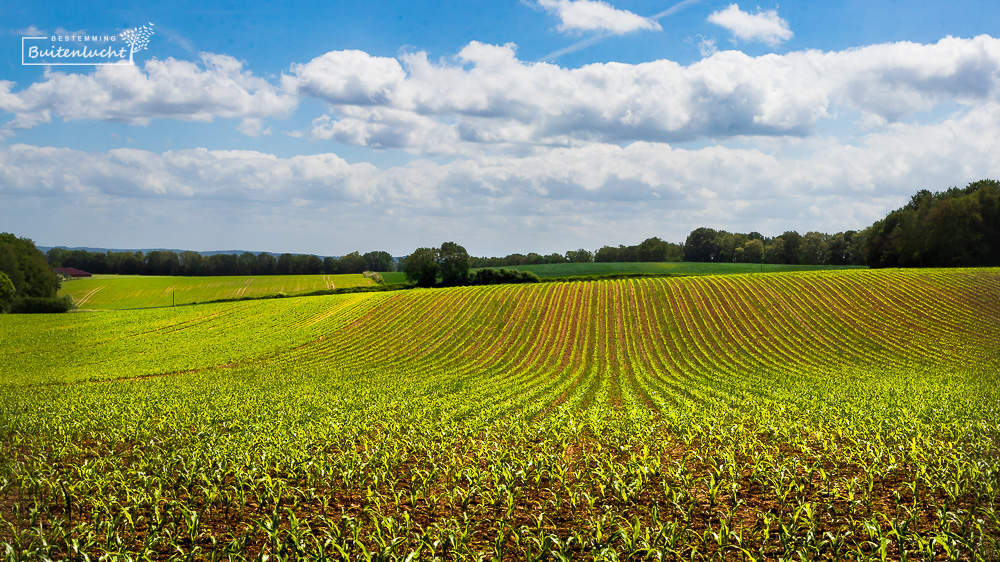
x,y
535,125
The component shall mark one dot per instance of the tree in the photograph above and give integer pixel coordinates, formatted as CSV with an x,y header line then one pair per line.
x,y
792,241
162,262
579,256
726,244
55,256
701,245
26,267
6,291
222,264
285,264
422,267
125,263
192,263
753,251
453,261
606,254
352,263
813,249
775,251
265,264
308,264
245,263
653,250
380,261
331,265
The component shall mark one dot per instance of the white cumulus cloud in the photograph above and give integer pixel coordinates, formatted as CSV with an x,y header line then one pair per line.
x,y
594,15
217,86
764,25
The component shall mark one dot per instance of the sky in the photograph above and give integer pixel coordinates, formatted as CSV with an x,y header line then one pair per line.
x,y
542,126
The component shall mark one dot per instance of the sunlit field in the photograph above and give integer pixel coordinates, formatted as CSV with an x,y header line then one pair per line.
x,y
102,292
826,415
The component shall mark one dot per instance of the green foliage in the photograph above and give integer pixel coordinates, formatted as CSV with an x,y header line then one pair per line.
x,y
957,227
169,263
26,267
7,291
753,251
491,276
453,262
701,245
352,263
690,418
41,305
422,267
380,261
566,270
579,256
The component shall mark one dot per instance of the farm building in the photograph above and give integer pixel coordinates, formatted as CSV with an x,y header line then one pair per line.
x,y
70,272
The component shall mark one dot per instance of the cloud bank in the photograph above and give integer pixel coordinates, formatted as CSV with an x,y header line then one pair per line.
x,y
489,98
636,191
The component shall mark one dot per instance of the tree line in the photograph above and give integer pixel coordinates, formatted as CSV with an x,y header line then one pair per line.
x,y
955,227
958,227
812,248
651,249
168,262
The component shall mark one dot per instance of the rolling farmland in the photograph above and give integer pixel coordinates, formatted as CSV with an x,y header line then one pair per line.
x,y
833,415
103,292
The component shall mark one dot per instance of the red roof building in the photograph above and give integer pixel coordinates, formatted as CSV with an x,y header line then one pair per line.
x,y
70,272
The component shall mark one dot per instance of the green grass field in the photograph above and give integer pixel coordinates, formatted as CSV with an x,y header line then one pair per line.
x,y
394,277
102,292
827,415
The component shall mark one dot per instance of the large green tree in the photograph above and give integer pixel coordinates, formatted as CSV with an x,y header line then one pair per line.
x,y
454,264
701,245
26,267
352,263
380,261
421,267
579,256
813,249
753,251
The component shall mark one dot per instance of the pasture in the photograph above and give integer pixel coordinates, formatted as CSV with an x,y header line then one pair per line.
x,y
827,415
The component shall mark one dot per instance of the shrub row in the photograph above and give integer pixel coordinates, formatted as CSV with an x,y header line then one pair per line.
x,y
42,305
